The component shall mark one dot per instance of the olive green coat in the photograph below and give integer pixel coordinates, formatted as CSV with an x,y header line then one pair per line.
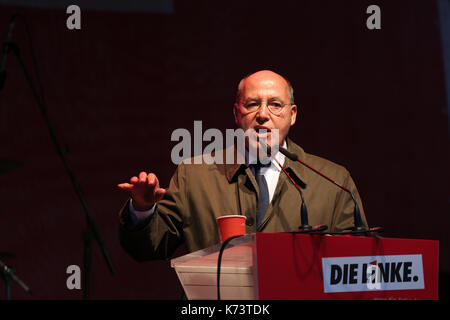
x,y
199,193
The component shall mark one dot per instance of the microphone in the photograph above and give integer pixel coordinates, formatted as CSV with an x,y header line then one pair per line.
x,y
303,211
305,227
5,51
356,213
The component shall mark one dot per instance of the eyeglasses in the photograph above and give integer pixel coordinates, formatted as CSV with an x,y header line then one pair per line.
x,y
274,107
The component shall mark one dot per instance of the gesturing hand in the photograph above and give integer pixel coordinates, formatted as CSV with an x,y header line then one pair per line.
x,y
144,191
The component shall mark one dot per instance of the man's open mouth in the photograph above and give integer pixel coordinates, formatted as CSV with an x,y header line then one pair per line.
x,y
262,131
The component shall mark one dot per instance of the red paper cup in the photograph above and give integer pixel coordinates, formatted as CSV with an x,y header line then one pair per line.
x,y
230,226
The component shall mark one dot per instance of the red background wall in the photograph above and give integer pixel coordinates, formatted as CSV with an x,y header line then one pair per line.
x,y
373,101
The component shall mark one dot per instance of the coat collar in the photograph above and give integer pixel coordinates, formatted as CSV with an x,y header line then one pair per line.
x,y
232,170
296,167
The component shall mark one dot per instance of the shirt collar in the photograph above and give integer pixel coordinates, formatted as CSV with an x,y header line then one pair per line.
x,y
251,159
231,170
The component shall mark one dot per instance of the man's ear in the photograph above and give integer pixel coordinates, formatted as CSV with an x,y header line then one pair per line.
x,y
293,114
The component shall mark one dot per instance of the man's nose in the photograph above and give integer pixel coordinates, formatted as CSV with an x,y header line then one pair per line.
x,y
263,113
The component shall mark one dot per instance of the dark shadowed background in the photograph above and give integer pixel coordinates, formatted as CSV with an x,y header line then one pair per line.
x,y
374,101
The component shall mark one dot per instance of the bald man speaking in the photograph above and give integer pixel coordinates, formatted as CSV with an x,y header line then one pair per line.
x,y
155,221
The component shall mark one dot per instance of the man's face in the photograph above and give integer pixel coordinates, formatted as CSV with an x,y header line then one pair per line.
x,y
265,88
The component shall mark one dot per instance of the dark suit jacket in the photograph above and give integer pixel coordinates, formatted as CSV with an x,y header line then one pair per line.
x,y
198,193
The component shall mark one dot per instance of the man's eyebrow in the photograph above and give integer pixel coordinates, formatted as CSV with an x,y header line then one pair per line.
x,y
275,98
258,99
251,99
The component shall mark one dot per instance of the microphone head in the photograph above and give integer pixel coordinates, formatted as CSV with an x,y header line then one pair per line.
x,y
288,154
266,146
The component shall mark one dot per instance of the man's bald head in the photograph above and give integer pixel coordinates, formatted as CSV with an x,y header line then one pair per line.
x,y
265,75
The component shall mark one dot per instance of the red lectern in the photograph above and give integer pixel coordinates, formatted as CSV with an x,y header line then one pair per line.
x,y
290,266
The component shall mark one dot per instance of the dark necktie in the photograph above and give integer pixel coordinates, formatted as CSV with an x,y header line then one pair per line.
x,y
263,200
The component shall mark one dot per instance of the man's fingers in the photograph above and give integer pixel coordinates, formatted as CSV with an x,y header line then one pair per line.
x,y
142,176
125,186
152,180
159,194
144,182
134,180
144,189
160,191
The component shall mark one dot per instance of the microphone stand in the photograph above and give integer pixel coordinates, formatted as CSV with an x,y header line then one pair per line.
x,y
8,274
305,228
91,231
358,224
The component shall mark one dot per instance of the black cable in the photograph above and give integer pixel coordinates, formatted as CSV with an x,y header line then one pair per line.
x,y
33,58
219,262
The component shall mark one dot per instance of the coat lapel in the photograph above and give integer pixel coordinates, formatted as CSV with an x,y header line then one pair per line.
x,y
247,188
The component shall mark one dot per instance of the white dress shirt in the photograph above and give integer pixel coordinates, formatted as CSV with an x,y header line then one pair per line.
x,y
271,173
